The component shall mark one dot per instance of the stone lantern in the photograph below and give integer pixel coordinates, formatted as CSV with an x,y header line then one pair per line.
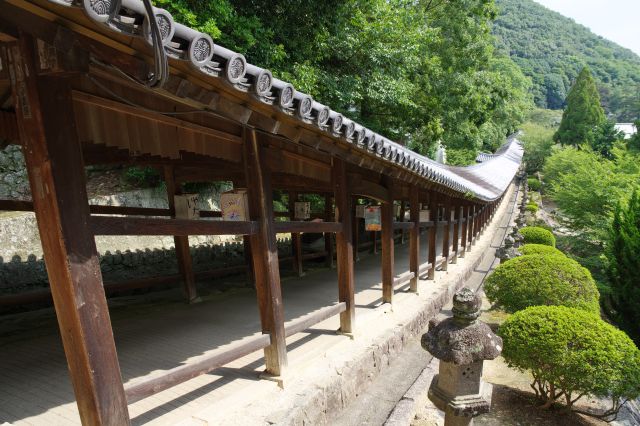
x,y
461,344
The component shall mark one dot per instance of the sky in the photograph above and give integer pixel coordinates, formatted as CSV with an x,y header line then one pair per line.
x,y
616,20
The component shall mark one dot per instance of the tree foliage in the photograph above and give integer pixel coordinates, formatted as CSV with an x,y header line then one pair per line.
x,y
583,113
552,49
417,72
533,280
624,264
572,353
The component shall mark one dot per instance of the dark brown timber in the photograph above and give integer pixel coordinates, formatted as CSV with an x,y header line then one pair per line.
x,y
414,237
387,242
433,231
183,255
344,248
54,162
296,240
265,253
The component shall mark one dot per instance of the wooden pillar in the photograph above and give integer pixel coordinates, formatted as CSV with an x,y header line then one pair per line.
x,y
343,214
476,224
264,253
402,214
296,240
246,246
53,156
414,237
464,214
456,232
446,237
181,242
356,231
387,243
472,221
433,232
328,237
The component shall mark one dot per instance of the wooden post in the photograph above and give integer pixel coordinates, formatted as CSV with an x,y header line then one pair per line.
x,y
401,219
53,156
414,237
296,240
446,237
356,232
456,232
386,220
472,223
343,214
328,237
464,214
246,245
264,253
183,255
433,232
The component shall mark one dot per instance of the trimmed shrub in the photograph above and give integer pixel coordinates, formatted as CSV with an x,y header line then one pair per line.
x,y
531,207
534,184
572,353
537,235
539,249
536,279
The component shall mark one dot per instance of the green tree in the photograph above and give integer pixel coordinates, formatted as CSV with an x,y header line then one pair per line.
x,y
572,353
624,264
605,137
416,72
583,112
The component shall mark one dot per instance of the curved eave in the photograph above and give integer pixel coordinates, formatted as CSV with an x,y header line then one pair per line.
x,y
485,181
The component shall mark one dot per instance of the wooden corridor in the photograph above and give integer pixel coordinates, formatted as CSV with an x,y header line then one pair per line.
x,y
34,384
79,98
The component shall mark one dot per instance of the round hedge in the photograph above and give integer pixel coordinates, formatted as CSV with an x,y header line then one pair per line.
x,y
539,249
573,350
534,184
533,208
537,235
535,279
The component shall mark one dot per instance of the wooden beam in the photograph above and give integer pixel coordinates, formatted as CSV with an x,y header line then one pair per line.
x,y
265,253
109,225
414,237
296,240
309,227
404,226
309,320
27,206
344,247
181,242
146,387
387,243
56,174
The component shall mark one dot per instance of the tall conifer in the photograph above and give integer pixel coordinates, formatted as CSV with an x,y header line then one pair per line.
x,y
583,112
624,264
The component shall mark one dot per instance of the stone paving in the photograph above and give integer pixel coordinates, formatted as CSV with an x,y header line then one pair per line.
x,y
35,387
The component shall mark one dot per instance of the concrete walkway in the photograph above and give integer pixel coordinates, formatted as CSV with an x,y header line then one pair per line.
x,y
35,387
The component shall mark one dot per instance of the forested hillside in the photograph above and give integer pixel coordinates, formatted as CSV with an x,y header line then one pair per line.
x,y
552,49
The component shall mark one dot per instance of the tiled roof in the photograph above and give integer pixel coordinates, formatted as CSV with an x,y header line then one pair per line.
x,y
485,181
